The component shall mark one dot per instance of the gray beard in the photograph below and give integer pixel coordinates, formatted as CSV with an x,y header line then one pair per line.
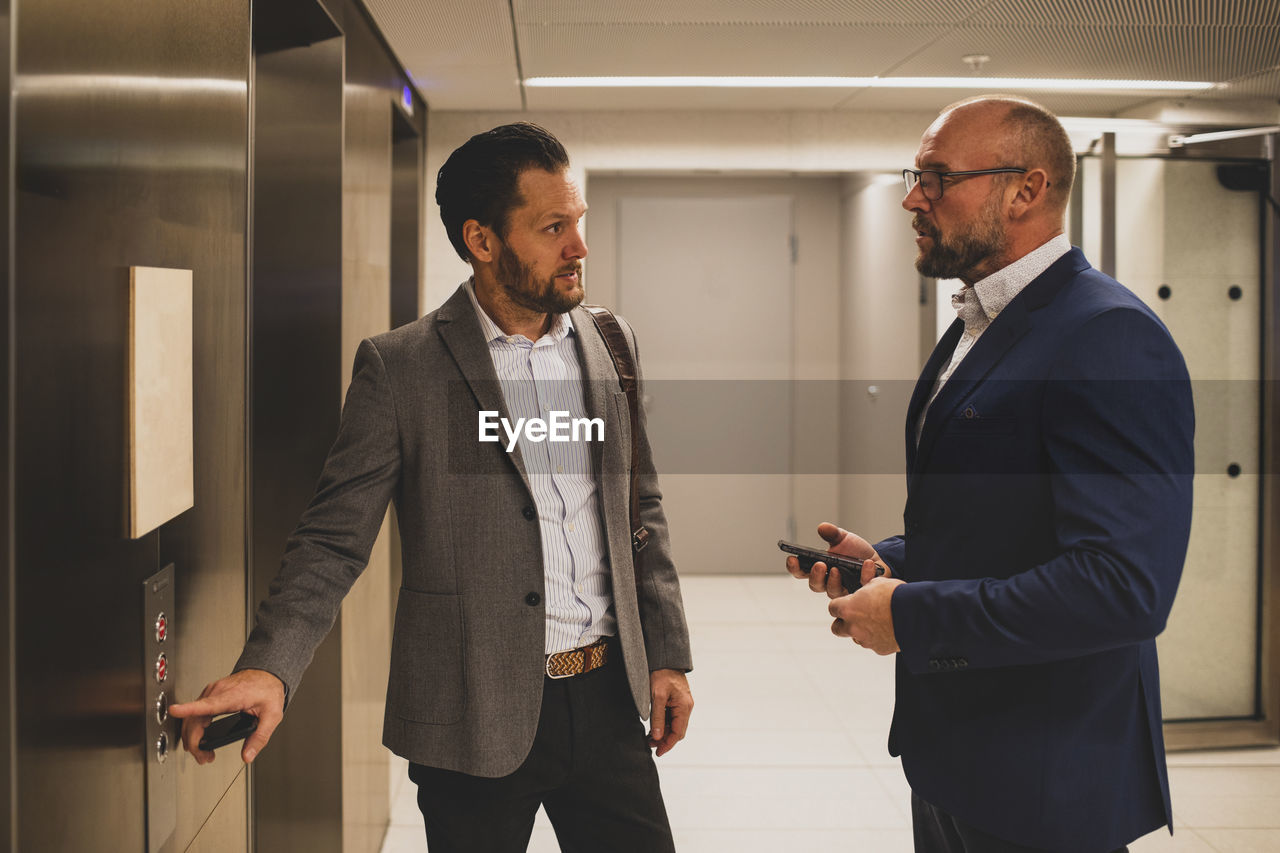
x,y
964,252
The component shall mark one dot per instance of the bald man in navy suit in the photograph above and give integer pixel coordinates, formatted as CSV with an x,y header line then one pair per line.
x,y
1049,467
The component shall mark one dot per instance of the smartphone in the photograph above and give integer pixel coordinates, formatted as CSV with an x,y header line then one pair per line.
x,y
850,567
228,729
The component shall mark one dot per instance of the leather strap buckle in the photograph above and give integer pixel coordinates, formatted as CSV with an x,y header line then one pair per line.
x,y
573,662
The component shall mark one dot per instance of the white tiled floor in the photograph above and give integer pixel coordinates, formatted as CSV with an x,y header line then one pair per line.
x,y
786,750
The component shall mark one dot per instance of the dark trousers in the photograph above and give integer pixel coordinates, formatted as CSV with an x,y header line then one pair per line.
x,y
590,768
937,831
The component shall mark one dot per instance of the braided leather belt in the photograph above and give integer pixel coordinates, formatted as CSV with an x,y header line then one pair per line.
x,y
578,661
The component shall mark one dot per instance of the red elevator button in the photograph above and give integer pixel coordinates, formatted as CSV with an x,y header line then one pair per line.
x,y
162,628
162,669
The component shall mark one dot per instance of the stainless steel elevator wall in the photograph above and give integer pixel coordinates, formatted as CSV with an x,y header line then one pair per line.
x,y
8,802
131,145
130,128
296,393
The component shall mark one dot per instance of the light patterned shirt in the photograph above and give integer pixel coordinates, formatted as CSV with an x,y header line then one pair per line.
x,y
537,378
982,303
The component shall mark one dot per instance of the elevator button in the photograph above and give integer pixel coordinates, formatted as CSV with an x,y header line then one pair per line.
x,y
162,708
162,628
162,668
162,747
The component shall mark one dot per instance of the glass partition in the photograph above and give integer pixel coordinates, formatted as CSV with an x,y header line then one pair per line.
x,y
1188,238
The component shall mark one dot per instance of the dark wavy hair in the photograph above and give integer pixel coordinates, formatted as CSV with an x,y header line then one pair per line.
x,y
480,179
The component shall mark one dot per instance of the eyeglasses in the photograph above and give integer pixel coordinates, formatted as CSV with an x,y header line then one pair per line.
x,y
930,181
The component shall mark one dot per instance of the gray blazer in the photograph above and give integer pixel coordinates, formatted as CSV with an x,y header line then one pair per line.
x,y
465,686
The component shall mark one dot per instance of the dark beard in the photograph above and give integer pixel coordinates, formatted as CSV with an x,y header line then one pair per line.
x,y
952,259
517,281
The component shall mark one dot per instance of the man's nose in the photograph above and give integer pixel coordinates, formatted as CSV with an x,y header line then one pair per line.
x,y
914,201
576,247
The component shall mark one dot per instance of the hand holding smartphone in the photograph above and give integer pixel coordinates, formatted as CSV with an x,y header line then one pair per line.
x,y
228,729
850,567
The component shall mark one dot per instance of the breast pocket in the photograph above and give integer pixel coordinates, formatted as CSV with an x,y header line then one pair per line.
x,y
428,672
971,422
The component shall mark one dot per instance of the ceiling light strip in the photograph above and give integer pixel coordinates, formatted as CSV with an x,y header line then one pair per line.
x,y
983,83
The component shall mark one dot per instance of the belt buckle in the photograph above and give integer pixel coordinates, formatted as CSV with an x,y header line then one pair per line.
x,y
547,664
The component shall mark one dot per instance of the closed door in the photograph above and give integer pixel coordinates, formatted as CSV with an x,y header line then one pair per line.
x,y
708,285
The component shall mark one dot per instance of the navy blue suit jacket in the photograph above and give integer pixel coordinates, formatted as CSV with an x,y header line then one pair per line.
x,y
1046,524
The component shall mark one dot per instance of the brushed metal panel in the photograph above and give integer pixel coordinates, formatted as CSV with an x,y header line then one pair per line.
x,y
130,149
8,798
296,397
406,219
160,745
227,830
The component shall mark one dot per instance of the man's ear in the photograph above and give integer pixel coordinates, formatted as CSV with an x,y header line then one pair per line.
x,y
480,240
1033,192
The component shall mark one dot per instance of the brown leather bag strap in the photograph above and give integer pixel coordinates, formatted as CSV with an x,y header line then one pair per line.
x,y
624,362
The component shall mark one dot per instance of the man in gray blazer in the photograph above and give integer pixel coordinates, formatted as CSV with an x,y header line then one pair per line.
x,y
524,650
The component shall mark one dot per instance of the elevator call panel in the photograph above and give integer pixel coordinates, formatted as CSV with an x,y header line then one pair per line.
x,y
160,745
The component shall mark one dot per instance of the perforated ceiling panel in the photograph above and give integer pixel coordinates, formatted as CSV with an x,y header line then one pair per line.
x,y
726,12
464,55
460,55
1207,54
1264,84
634,49
933,100
1145,13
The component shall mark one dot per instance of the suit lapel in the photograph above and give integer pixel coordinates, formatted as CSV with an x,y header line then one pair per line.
x,y
924,385
1012,323
460,331
986,353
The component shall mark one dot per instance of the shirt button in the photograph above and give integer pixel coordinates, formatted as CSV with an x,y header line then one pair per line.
x,y
571,527
529,512
533,599
559,469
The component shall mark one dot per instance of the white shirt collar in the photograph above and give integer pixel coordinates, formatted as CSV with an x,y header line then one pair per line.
x,y
998,289
561,326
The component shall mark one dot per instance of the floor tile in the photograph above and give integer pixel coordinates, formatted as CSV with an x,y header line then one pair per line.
x,y
404,839
787,749
1242,840
792,841
1182,841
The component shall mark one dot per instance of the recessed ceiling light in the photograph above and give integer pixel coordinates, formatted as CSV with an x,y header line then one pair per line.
x,y
986,84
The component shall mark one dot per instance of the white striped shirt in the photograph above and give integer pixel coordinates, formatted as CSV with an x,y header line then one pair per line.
x,y
537,378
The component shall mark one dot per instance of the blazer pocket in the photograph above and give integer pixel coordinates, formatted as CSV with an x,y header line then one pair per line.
x,y
965,423
428,672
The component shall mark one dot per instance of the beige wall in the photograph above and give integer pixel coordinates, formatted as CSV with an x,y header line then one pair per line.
x,y
839,333
366,311
677,142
